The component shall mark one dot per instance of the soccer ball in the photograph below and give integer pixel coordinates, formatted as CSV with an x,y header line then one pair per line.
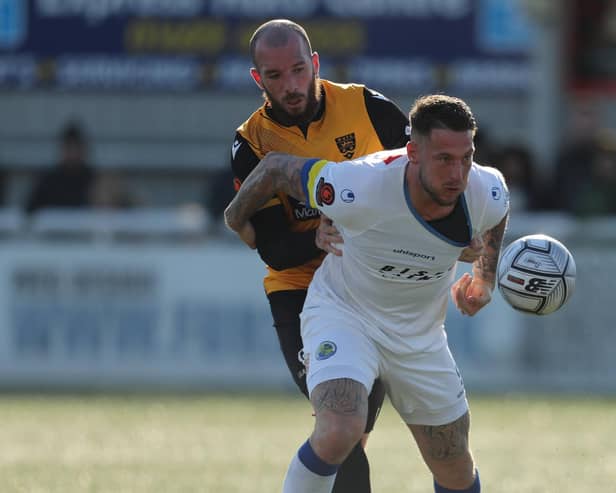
x,y
536,274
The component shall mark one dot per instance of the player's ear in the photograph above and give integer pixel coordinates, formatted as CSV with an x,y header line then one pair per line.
x,y
315,63
254,73
411,151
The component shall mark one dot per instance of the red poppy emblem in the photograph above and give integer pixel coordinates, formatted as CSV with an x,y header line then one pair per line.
x,y
325,193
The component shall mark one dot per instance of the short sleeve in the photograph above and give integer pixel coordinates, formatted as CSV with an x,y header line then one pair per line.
x,y
243,158
342,191
497,205
389,122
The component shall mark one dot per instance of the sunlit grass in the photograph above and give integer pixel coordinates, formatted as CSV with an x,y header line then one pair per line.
x,y
242,444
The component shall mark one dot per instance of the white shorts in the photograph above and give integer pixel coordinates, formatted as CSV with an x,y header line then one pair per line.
x,y
425,388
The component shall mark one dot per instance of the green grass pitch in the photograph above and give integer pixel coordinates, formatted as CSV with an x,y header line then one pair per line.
x,y
242,444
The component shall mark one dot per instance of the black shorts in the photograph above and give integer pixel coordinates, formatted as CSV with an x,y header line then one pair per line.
x,y
286,307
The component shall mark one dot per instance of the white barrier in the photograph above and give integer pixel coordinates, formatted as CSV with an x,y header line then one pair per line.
x,y
113,315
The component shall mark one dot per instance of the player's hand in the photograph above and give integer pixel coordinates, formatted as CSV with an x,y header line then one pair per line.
x,y
247,234
328,237
473,251
470,294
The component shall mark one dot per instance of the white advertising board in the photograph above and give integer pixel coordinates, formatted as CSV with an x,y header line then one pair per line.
x,y
110,315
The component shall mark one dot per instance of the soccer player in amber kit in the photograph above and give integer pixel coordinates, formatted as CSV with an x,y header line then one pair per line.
x,y
305,115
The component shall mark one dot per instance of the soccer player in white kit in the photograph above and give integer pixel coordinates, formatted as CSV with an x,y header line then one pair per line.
x,y
405,217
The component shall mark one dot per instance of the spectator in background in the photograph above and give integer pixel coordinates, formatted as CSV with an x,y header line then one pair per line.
x,y
579,149
109,191
70,181
485,150
516,164
596,195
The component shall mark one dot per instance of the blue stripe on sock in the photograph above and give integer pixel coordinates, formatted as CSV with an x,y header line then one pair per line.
x,y
474,488
313,462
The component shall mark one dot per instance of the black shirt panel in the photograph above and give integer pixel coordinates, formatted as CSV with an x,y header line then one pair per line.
x,y
389,122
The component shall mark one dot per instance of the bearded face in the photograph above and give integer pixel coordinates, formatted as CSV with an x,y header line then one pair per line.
x,y
295,108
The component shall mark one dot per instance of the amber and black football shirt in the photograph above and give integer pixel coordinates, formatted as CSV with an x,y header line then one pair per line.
x,y
352,121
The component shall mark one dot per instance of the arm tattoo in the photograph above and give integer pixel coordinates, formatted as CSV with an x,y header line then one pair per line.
x,y
447,441
342,396
485,266
276,173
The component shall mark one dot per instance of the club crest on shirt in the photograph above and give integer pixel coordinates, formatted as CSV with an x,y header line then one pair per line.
x,y
326,350
346,145
325,193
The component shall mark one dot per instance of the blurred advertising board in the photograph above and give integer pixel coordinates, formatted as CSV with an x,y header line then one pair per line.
x,y
187,45
109,316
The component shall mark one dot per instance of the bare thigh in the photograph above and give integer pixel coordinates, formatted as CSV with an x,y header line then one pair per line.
x,y
445,449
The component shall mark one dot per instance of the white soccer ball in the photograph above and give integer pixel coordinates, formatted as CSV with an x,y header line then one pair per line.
x,y
536,274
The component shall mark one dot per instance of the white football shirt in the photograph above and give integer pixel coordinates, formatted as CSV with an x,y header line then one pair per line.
x,y
396,270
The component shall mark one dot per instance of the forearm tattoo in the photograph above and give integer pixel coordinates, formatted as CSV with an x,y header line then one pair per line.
x,y
447,441
485,266
342,396
276,173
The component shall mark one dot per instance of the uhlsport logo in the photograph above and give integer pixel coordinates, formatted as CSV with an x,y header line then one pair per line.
x,y
326,350
13,24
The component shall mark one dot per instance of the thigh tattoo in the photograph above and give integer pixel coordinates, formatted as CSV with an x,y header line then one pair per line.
x,y
342,396
447,441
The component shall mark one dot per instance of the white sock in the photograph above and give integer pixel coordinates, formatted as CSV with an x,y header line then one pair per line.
x,y
301,479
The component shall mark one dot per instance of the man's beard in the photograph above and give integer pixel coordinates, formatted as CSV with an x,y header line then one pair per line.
x,y
313,100
432,193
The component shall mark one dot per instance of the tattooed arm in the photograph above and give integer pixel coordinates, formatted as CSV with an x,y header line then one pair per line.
x,y
277,172
471,293
484,268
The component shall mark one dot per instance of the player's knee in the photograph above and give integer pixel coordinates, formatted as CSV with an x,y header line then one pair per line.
x,y
457,474
335,436
341,408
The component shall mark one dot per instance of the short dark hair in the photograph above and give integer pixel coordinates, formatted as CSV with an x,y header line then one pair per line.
x,y
277,32
440,111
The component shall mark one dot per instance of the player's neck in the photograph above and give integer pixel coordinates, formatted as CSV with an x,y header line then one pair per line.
x,y
431,211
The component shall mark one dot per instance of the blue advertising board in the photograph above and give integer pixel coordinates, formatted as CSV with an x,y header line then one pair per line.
x,y
202,44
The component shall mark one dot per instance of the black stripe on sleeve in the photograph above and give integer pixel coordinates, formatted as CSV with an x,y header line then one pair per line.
x,y
243,158
389,122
